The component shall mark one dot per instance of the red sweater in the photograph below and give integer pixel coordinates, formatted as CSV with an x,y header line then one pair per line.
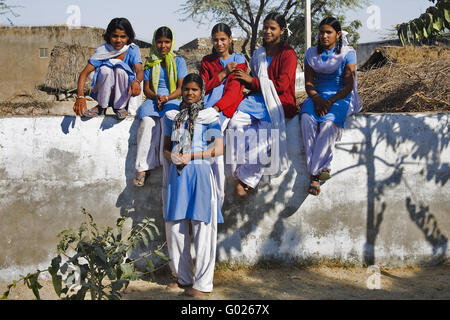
x,y
233,91
282,72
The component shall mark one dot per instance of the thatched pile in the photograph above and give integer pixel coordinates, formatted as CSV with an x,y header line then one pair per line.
x,y
409,79
66,63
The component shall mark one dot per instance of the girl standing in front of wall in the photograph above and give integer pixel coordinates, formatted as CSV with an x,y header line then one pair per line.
x,y
164,73
331,85
118,72
192,138
223,91
263,112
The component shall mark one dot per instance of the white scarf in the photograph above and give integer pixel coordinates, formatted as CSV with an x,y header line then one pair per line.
x,y
107,51
275,108
205,116
314,60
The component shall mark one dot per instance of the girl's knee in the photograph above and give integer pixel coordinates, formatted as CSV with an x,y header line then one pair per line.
x,y
106,71
120,73
148,122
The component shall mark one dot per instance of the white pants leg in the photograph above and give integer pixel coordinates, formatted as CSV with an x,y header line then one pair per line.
x,y
148,144
121,87
205,241
179,246
205,244
245,148
218,168
104,86
319,140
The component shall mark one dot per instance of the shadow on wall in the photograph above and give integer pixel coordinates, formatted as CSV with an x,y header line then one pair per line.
x,y
385,132
135,203
242,217
427,145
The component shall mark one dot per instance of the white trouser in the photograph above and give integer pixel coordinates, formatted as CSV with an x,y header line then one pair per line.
x,y
249,146
112,81
218,167
201,275
148,144
319,140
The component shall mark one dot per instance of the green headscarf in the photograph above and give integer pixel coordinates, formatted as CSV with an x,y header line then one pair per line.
x,y
154,62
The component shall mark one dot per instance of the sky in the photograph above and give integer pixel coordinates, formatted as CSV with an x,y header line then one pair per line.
x,y
147,15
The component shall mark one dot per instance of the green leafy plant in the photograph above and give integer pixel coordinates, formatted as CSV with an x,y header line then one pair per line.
x,y
97,260
428,26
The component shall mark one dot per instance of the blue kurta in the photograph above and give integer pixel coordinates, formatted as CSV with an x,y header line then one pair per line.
x,y
255,105
327,85
132,57
149,108
189,194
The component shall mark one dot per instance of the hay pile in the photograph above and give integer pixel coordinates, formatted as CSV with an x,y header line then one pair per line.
x,y
406,79
66,63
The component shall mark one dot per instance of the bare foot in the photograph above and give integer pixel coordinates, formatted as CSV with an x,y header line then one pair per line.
x,y
176,285
191,292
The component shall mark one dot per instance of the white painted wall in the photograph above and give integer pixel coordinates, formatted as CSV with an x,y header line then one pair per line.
x,y
393,167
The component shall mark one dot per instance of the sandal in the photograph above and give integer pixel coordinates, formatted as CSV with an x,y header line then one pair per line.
x,y
325,175
121,113
140,179
91,113
314,189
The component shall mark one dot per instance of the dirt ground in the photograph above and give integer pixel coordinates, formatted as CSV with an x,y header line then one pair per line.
x,y
291,283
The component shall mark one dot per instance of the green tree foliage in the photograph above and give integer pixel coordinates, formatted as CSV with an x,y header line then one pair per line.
x,y
248,16
89,256
428,26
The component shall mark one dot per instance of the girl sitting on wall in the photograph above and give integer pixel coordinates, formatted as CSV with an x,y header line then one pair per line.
x,y
118,72
192,138
261,115
331,85
223,91
164,73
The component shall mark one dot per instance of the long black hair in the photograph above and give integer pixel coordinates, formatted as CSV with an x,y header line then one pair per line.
x,y
222,27
164,32
336,25
281,20
121,24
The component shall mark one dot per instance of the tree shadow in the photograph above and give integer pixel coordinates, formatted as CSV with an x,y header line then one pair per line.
x,y
420,141
428,224
286,192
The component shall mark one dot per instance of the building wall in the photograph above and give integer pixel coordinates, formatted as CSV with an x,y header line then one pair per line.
x,y
387,203
23,68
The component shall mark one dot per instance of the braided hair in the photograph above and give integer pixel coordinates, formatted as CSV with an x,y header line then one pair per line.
x,y
336,25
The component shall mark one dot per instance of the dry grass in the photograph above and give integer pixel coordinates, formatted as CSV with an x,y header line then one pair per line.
x,y
412,79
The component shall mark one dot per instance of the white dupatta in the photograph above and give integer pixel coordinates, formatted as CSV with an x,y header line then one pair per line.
x,y
107,51
314,60
205,116
278,145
